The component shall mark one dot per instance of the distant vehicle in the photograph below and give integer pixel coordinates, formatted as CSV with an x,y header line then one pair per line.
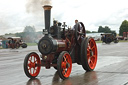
x,y
108,38
125,35
16,42
95,36
120,37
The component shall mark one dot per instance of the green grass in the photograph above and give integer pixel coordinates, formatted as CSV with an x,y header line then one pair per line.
x,y
98,41
34,44
123,41
119,41
31,44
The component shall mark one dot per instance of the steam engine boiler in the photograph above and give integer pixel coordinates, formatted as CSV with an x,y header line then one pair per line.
x,y
60,47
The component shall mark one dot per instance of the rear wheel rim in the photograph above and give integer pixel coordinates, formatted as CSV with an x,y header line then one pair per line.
x,y
33,65
92,53
66,65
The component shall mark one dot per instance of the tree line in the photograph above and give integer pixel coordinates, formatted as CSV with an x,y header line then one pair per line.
x,y
123,28
29,33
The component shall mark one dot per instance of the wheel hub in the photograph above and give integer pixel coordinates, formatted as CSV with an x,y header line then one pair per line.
x,y
32,65
44,46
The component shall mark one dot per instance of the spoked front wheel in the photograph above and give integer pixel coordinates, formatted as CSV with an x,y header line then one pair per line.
x,y
88,54
32,65
64,64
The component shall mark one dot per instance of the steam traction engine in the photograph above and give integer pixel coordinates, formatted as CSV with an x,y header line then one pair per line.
x,y
60,48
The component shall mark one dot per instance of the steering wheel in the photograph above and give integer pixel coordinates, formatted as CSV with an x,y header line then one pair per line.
x,y
79,32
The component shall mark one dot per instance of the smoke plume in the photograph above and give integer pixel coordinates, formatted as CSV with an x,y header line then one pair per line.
x,y
33,6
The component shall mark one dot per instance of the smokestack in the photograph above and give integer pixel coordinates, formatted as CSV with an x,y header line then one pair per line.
x,y
47,14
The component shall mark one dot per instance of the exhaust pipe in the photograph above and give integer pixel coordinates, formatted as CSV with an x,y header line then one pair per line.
x,y
47,14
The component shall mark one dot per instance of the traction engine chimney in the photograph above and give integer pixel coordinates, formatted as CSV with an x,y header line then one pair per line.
x,y
47,14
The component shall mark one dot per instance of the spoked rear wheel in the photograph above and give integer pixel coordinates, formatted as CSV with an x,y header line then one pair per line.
x,y
64,65
88,54
32,65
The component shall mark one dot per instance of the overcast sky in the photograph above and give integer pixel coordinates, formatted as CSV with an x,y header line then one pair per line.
x,y
16,14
